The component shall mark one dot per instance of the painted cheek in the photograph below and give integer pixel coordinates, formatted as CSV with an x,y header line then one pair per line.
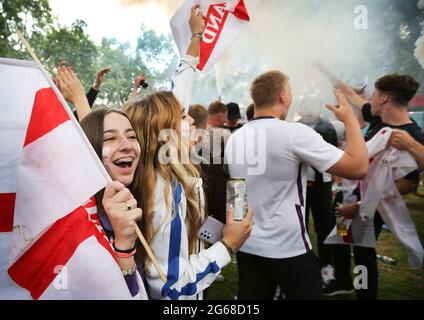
x,y
105,155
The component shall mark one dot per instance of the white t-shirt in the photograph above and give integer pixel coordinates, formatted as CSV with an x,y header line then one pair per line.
x,y
273,156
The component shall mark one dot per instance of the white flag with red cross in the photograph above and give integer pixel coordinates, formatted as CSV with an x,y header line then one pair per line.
x,y
52,245
225,20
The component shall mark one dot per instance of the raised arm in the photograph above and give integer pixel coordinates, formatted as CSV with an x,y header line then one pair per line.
x,y
354,98
72,90
95,88
182,84
137,84
354,163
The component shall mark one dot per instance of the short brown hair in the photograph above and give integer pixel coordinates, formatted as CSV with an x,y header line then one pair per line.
x,y
250,112
266,88
401,88
217,107
199,115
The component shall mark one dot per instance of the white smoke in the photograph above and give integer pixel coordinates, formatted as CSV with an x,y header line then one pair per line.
x,y
419,50
288,36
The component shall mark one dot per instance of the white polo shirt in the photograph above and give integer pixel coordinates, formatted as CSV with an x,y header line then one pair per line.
x,y
274,156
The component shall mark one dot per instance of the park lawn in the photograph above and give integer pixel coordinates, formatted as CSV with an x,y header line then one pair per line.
x,y
396,282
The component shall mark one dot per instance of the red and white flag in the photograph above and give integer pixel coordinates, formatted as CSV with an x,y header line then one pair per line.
x,y
51,243
225,20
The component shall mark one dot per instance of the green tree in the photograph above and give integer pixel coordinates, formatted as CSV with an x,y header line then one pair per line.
x,y
30,16
71,45
118,83
394,29
157,53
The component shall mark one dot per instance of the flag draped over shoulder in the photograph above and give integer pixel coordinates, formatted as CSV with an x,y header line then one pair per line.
x,y
379,193
225,20
52,241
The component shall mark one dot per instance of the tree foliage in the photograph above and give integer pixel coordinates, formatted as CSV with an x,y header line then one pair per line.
x,y
28,15
391,37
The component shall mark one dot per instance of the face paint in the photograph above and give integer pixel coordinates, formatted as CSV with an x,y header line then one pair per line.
x,y
105,155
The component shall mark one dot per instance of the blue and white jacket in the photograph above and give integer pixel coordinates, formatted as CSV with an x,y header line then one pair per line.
x,y
187,275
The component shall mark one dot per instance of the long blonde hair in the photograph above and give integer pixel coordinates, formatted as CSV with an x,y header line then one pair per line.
x,y
149,116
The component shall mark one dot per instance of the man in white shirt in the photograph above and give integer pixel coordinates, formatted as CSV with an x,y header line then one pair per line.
x,y
273,156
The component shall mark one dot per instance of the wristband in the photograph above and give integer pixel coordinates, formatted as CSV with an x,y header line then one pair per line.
x,y
230,251
197,35
123,253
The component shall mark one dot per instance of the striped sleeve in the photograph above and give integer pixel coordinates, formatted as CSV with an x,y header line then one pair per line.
x,y
187,275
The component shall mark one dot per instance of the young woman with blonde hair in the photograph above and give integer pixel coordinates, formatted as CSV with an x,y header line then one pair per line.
x,y
172,194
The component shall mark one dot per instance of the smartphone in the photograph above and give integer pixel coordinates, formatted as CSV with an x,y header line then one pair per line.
x,y
211,230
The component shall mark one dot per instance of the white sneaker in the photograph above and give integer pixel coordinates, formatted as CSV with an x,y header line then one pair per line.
x,y
327,274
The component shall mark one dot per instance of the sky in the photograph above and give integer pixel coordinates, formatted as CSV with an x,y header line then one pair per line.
x,y
110,18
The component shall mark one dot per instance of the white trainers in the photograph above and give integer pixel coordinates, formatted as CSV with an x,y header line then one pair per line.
x,y
327,274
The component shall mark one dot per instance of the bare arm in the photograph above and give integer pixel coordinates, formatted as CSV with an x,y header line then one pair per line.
x,y
360,118
354,163
197,26
184,77
72,90
354,99
100,77
136,85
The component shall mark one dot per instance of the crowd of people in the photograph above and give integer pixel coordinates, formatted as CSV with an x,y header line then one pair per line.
x,y
168,195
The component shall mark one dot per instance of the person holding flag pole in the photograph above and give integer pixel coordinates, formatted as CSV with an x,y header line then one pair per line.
x,y
51,243
173,198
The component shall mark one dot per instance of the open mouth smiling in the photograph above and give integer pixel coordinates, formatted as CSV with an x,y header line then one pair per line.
x,y
124,163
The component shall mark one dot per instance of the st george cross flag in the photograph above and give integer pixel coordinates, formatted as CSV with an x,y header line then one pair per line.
x,y
51,243
225,20
379,193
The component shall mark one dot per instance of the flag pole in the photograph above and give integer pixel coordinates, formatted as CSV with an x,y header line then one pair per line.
x,y
89,146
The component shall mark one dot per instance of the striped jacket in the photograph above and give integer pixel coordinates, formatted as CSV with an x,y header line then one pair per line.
x,y
187,275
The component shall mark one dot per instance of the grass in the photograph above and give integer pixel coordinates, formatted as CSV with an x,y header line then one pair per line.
x,y
396,282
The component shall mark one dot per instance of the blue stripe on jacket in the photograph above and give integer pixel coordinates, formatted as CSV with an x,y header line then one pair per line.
x,y
174,255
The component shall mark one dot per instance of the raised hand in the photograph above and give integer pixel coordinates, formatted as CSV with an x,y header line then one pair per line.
x,y
197,21
343,111
100,77
69,85
138,81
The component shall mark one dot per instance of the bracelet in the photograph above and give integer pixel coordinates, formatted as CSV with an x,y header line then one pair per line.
x,y
230,251
197,35
130,271
123,253
119,250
